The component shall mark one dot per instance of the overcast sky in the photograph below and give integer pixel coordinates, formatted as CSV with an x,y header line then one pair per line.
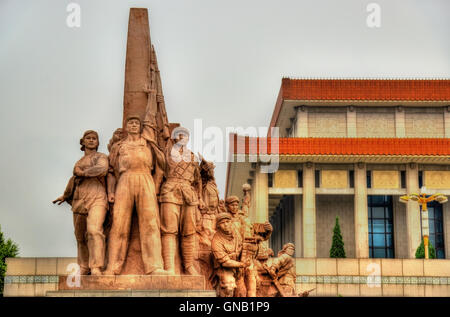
x,y
220,61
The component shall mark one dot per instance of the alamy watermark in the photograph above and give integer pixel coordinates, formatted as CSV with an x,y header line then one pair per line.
x,y
73,19
374,278
74,276
373,20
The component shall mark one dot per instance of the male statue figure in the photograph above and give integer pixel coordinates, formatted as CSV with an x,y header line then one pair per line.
x,y
180,199
132,161
226,247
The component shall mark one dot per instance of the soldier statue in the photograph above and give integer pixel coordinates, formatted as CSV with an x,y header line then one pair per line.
x,y
180,198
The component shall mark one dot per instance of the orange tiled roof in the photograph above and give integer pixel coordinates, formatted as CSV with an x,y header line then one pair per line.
x,y
361,90
366,89
344,146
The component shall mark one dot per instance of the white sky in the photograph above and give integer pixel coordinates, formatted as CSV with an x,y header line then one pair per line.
x,y
220,61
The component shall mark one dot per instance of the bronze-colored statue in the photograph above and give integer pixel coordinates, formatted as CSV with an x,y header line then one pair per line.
x,y
86,193
117,136
210,194
207,225
284,265
280,271
226,247
132,161
252,235
164,204
180,199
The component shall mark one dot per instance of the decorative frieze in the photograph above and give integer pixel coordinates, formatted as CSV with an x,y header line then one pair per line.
x,y
356,279
31,279
285,179
437,179
385,179
334,179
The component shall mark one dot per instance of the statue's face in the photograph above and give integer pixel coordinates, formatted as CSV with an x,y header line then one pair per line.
x,y
90,141
227,285
133,126
225,226
233,207
117,135
290,251
182,139
211,170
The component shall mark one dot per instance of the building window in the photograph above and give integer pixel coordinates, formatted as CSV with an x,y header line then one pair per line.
x,y
435,221
369,179
351,179
317,178
420,179
403,179
381,227
300,178
270,180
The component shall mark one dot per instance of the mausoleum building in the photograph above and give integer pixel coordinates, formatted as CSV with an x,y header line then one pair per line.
x,y
351,148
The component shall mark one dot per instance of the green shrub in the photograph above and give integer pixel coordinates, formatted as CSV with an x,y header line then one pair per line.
x,y
8,249
420,252
337,246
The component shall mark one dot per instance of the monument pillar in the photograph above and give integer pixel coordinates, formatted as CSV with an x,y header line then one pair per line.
x,y
137,64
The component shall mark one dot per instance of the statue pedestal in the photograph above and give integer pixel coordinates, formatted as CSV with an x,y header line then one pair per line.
x,y
133,282
132,286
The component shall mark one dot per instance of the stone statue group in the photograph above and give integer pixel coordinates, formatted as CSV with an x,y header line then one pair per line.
x,y
181,219
177,203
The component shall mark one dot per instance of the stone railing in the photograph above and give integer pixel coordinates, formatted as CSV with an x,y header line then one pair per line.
x,y
329,277
34,276
47,277
373,277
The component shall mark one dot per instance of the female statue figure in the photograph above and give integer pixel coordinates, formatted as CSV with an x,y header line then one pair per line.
x,y
86,193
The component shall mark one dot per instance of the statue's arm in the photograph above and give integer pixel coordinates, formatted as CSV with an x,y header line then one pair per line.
x,y
67,192
199,186
98,169
222,256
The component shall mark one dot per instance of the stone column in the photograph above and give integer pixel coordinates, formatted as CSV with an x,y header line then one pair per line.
x,y
446,225
351,122
412,211
301,122
400,131
361,212
261,197
309,211
298,226
447,121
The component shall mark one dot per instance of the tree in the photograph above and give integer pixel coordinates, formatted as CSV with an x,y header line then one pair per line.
x,y
420,252
8,249
337,246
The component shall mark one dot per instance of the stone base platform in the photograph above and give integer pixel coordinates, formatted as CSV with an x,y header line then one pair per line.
x,y
132,293
133,282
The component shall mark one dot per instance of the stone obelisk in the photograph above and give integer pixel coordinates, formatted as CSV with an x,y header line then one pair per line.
x,y
137,63
137,67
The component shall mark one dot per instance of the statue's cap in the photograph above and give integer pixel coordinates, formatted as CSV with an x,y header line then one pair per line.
x,y
90,132
179,130
222,217
231,199
133,116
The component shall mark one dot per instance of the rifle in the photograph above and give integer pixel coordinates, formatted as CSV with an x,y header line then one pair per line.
x,y
275,280
305,293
